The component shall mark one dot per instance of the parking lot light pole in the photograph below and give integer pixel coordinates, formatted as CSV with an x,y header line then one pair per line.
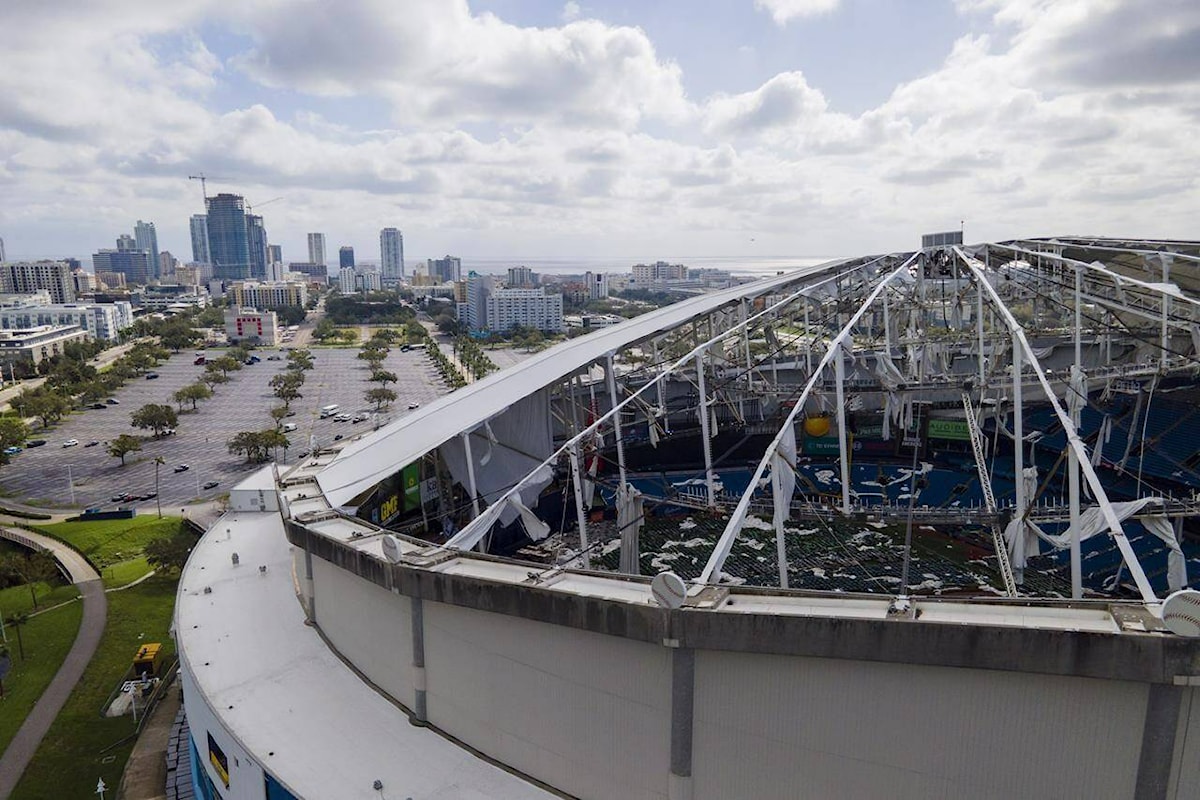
x,y
158,461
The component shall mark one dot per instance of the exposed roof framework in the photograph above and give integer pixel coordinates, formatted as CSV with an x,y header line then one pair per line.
x,y
868,309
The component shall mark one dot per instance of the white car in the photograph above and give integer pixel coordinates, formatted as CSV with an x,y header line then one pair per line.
x,y
70,442
411,406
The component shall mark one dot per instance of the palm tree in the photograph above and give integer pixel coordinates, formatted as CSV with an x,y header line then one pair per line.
x,y
158,461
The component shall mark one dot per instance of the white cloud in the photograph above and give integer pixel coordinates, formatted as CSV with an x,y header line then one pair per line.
x,y
435,60
580,138
570,11
784,11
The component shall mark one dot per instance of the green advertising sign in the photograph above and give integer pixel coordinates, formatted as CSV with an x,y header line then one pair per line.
x,y
821,446
956,429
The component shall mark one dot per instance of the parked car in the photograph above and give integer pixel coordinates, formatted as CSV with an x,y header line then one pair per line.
x,y
92,443
182,468
112,401
411,406
211,484
274,358
200,361
117,498
11,451
148,496
70,442
98,406
290,413
337,438
35,443
151,376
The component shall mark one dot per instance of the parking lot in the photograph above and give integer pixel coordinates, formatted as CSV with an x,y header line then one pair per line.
x,y
52,474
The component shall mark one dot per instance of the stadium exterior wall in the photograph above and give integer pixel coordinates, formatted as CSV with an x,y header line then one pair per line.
x,y
582,693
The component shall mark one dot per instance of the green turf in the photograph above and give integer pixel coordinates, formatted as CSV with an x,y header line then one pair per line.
x,y
110,541
70,760
16,599
125,572
47,638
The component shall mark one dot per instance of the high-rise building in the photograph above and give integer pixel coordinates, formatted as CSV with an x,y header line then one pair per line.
x,y
133,264
253,294
126,242
528,308
473,312
391,254
166,263
645,275
256,235
368,280
346,257
29,276
83,282
314,271
274,254
147,239
444,269
200,252
188,275
229,237
521,278
597,283
316,248
346,276
2,258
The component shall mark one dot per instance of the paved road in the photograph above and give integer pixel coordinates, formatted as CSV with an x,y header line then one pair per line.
x,y
52,473
21,749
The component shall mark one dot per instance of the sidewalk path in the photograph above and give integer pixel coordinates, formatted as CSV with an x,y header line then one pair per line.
x,y
95,611
21,749
145,775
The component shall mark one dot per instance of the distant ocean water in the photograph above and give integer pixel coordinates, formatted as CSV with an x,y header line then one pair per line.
x,y
750,265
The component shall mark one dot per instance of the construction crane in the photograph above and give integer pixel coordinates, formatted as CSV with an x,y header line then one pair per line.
x,y
250,208
204,183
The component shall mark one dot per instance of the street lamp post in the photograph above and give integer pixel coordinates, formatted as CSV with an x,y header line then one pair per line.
x,y
158,461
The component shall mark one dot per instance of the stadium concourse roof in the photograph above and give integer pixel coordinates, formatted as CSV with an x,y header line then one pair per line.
x,y
369,460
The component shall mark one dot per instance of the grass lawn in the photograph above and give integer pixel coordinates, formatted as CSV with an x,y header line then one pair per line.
x,y
125,572
69,761
47,639
16,599
110,541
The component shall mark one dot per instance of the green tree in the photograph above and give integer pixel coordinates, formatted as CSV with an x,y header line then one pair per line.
x,y
177,335
213,376
278,414
16,621
193,393
286,386
13,433
123,445
225,364
383,377
248,443
48,407
170,553
155,417
380,396
374,356
300,359
31,569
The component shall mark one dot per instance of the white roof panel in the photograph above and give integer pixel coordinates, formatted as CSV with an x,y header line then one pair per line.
x,y
369,460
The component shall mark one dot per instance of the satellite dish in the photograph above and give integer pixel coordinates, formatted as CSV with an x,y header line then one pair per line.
x,y
668,590
1181,613
391,549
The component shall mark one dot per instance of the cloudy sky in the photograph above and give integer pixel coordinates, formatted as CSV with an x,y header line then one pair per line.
x,y
623,129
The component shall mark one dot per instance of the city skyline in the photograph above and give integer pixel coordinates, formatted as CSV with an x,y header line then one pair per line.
x,y
547,129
